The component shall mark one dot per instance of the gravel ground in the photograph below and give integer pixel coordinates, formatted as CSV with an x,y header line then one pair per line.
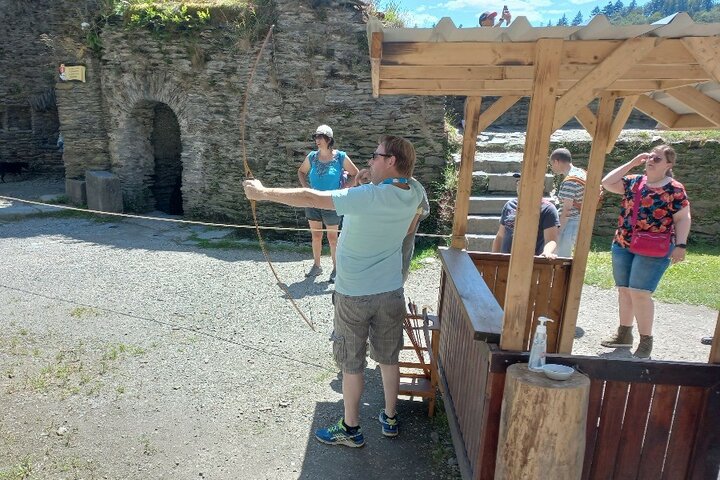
x,y
127,351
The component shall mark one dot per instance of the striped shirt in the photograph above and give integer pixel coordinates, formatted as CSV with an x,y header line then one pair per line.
x,y
573,189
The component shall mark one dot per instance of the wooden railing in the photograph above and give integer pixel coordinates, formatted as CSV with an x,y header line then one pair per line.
x,y
646,419
547,295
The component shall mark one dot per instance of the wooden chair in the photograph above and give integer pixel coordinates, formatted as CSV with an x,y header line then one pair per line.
x,y
419,376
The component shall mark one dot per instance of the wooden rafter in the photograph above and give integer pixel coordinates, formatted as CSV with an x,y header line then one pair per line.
x,y
617,125
706,51
586,117
656,110
608,71
493,112
692,121
705,106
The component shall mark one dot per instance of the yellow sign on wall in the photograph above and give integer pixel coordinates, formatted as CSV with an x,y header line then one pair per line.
x,y
72,73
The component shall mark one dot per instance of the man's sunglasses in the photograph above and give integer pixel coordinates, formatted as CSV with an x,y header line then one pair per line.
x,y
376,154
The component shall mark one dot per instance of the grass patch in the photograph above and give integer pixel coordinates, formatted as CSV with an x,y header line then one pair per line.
x,y
21,471
695,281
83,312
422,253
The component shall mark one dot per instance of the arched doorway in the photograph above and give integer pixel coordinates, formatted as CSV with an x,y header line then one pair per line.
x,y
166,187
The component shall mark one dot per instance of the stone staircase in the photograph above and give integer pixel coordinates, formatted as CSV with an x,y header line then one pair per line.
x,y
493,185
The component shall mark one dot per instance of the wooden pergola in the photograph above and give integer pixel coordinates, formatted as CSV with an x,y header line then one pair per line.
x,y
669,70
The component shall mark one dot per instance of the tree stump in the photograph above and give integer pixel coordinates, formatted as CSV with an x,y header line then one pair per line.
x,y
542,426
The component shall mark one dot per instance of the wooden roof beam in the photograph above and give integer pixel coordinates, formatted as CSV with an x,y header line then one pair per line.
x,y
493,112
705,106
615,65
376,45
658,111
587,119
706,50
691,121
620,119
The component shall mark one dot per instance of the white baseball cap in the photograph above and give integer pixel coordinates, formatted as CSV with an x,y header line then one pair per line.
x,y
324,130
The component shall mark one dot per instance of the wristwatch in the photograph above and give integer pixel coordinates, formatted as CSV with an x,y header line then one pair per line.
x,y
681,245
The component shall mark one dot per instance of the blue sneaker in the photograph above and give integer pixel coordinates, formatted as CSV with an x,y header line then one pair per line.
x,y
337,435
390,426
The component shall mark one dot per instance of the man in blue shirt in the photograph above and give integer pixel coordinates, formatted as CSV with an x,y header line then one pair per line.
x,y
369,299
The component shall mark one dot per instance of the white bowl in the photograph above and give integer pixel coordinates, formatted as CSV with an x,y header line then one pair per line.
x,y
557,372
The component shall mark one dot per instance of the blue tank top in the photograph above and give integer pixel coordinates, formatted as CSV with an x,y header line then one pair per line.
x,y
326,175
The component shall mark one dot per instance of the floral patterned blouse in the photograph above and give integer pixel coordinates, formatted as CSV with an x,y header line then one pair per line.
x,y
657,207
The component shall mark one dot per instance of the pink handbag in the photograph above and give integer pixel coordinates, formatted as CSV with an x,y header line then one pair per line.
x,y
649,244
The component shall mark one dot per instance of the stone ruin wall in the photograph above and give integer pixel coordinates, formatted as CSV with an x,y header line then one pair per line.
x,y
314,70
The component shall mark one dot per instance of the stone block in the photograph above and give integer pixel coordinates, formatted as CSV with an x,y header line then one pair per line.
x,y
75,191
104,191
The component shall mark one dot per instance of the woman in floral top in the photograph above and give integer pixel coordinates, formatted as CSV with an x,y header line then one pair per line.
x,y
664,207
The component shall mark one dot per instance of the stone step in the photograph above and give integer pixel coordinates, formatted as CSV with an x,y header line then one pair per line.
x,y
487,205
493,162
483,224
479,243
506,183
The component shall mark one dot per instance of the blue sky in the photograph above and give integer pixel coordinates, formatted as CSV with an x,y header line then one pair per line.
x,y
425,13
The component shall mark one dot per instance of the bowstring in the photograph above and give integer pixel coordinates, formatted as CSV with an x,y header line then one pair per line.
x,y
249,176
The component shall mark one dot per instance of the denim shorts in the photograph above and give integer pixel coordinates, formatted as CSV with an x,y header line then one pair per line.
x,y
637,271
328,217
378,317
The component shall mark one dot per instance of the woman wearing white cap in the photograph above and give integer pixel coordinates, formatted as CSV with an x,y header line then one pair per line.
x,y
324,170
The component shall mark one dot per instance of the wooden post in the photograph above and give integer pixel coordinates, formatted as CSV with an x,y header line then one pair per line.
x,y
462,200
376,40
715,349
537,142
542,426
587,220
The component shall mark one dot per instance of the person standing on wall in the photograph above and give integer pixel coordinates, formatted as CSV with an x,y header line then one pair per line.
x,y
323,170
369,299
487,19
570,194
652,233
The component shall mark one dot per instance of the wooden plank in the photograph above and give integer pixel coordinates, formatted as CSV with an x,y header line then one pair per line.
x,y
501,282
491,427
489,274
460,92
658,431
537,141
610,69
530,315
658,111
462,201
586,117
715,348
482,310
611,415
542,299
493,112
705,461
587,220
706,51
458,53
523,87
684,428
454,425
692,73
620,118
376,40
591,430
633,431
556,306
705,106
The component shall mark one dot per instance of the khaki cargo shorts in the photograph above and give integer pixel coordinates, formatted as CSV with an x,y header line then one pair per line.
x,y
377,317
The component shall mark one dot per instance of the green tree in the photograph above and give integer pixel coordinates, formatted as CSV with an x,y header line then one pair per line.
x,y
595,11
578,19
562,21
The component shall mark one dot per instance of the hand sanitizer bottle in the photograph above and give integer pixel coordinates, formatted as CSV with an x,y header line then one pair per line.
x,y
538,348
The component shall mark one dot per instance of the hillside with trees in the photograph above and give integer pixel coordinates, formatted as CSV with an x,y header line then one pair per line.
x,y
707,11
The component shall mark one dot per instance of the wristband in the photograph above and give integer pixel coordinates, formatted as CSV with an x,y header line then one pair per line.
x,y
681,245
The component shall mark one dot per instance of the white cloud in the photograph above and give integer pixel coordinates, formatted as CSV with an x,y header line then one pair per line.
x,y
421,19
581,2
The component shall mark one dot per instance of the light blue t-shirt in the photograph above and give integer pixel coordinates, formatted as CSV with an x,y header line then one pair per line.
x,y
369,250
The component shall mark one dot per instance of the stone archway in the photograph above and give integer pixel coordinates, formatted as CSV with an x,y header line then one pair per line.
x,y
150,159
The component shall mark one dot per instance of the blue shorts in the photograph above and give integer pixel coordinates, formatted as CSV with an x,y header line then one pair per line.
x,y
328,217
637,271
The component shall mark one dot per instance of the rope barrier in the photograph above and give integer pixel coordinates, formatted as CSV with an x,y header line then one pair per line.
x,y
181,221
